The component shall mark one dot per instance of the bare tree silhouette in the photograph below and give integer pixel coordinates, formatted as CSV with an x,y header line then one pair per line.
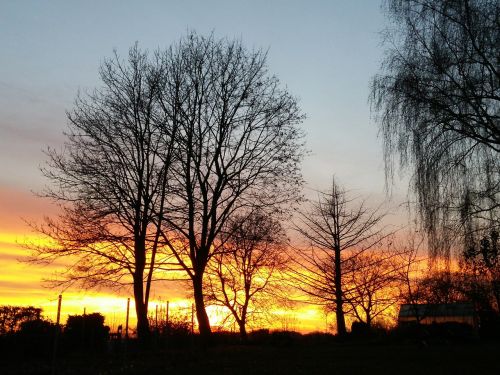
x,y
411,270
162,157
111,180
339,231
372,284
238,147
243,277
481,263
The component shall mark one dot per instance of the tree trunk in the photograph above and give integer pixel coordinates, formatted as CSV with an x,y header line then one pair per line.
x,y
368,321
141,307
339,298
201,313
339,314
141,310
243,330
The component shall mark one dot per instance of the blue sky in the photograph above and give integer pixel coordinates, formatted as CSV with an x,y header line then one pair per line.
x,y
325,52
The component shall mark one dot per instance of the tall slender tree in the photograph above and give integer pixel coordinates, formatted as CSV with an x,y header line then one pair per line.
x,y
338,232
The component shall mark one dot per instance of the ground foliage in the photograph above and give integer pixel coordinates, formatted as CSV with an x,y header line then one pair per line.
x,y
282,353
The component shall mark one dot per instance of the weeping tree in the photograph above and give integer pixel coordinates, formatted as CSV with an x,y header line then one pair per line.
x,y
437,98
245,276
238,147
111,180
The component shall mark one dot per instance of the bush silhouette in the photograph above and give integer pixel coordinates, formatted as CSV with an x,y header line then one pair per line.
x,y
12,317
86,332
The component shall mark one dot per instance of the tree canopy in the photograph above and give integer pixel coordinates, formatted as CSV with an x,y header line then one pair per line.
x,y
160,158
437,98
110,180
238,147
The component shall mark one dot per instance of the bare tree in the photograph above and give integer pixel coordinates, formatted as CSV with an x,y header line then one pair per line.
x,y
481,265
411,270
372,284
339,231
111,181
245,274
438,100
238,147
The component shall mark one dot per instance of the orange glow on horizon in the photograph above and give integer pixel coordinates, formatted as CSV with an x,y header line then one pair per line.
x,y
20,284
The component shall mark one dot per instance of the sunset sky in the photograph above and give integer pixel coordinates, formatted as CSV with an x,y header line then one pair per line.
x,y
325,52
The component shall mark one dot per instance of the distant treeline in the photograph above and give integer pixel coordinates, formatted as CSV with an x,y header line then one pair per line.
x,y
25,328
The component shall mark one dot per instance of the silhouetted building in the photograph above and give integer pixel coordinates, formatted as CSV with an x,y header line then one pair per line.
x,y
438,313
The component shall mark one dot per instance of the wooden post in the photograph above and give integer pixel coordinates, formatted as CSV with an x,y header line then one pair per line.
x,y
167,313
156,317
83,325
167,323
192,318
56,335
126,320
59,301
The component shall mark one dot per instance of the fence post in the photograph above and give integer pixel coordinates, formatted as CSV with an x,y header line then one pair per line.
x,y
156,317
192,318
167,313
167,323
56,336
83,325
126,320
59,301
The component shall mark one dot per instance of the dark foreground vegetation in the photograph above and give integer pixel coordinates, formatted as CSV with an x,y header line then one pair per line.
x,y
434,349
358,358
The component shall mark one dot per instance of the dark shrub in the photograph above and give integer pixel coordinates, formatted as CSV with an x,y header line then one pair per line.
x,y
489,327
319,338
259,336
176,332
360,329
12,317
452,331
86,332
36,337
275,338
437,332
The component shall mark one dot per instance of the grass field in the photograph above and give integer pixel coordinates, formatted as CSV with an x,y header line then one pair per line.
x,y
346,358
